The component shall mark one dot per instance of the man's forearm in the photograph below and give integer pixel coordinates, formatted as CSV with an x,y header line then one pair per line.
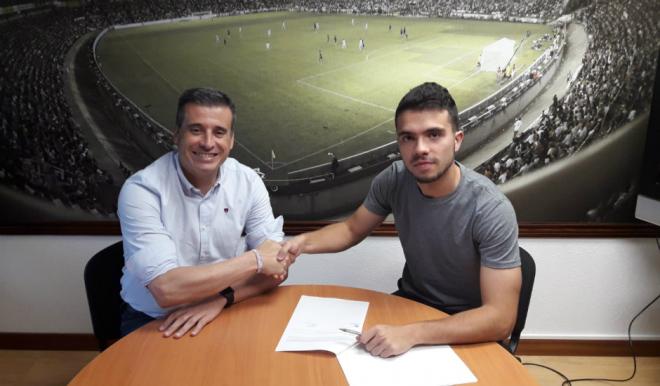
x,y
335,237
185,285
253,286
492,321
483,324
332,238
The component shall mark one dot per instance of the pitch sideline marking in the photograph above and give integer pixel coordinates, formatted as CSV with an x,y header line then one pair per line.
x,y
152,68
253,155
335,144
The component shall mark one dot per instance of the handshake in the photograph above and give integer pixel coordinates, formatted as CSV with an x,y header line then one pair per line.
x,y
278,257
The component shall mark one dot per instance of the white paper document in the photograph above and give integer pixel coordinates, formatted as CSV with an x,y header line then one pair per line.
x,y
316,321
421,366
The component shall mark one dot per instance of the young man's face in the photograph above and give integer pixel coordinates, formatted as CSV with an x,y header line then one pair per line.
x,y
204,140
427,143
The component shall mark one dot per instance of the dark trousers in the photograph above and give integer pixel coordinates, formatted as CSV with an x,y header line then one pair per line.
x,y
132,319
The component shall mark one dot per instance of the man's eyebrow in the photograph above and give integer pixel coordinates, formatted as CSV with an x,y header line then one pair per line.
x,y
198,125
433,128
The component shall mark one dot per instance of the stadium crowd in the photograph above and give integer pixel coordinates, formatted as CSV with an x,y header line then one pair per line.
x,y
42,150
532,9
612,87
139,11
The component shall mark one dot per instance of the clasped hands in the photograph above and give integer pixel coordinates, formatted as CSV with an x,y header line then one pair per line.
x,y
278,257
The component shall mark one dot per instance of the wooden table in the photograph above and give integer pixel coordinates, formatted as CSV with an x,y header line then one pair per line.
x,y
238,348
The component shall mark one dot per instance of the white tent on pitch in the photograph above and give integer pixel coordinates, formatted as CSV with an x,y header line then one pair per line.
x,y
497,54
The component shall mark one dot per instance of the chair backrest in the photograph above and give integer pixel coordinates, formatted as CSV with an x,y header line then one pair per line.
x,y
102,283
528,268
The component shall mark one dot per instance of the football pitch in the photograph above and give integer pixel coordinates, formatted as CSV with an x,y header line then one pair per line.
x,y
290,103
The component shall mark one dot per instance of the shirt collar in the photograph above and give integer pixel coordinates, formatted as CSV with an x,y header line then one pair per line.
x,y
189,188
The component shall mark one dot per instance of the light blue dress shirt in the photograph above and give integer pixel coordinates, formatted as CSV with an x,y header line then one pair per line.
x,y
166,223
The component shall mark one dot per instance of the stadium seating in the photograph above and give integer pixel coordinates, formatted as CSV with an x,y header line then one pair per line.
x,y
613,86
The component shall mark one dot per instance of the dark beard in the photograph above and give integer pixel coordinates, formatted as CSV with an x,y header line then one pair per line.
x,y
441,173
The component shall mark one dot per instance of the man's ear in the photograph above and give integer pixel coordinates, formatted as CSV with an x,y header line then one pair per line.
x,y
175,137
458,139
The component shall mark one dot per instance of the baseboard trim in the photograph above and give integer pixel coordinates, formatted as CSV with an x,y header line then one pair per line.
x,y
41,341
552,347
601,348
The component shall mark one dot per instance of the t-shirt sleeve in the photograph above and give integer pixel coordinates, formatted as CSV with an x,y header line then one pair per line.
x,y
496,235
378,200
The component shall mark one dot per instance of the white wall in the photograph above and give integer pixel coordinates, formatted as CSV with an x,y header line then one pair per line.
x,y
585,288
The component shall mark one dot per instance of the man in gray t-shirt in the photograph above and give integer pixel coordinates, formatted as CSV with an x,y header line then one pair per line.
x,y
459,233
446,239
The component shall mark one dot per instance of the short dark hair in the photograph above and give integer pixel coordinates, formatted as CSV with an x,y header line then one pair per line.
x,y
204,96
428,96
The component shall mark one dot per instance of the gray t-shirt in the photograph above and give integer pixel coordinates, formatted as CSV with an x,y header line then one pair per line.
x,y
446,240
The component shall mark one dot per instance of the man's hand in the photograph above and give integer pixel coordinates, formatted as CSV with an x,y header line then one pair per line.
x,y
272,266
288,253
291,249
282,277
386,341
194,317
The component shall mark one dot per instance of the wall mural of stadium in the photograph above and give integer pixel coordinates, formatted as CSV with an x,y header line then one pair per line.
x,y
554,96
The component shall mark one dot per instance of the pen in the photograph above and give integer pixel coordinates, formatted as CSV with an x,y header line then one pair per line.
x,y
348,330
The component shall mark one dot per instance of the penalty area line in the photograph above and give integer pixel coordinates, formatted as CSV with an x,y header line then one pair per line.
x,y
443,65
389,110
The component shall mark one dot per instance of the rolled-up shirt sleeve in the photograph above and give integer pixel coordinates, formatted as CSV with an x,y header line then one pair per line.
x,y
260,224
149,250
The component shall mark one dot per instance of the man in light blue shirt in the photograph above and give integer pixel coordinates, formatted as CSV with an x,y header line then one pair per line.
x,y
198,228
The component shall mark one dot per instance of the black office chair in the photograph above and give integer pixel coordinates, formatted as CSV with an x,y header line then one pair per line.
x,y
528,268
102,275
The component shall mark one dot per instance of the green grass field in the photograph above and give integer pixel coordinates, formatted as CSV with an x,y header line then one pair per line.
x,y
289,102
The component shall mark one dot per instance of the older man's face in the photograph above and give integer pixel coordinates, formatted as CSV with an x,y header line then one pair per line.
x,y
204,140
